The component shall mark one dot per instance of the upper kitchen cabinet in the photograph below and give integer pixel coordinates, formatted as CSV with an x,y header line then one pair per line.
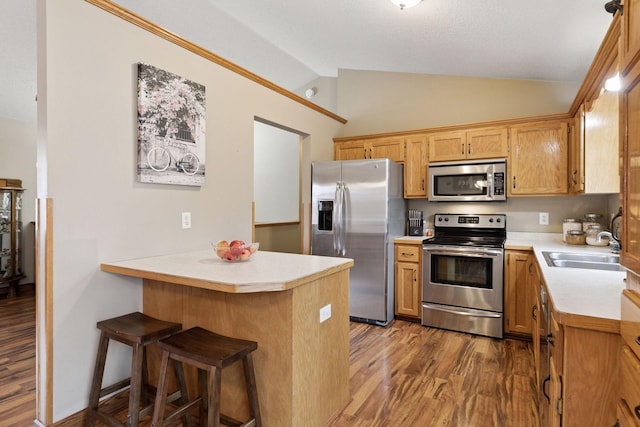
x,y
630,123
538,159
601,142
379,148
482,143
415,167
629,33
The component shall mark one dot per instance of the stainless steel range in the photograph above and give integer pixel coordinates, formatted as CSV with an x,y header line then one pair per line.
x,y
462,282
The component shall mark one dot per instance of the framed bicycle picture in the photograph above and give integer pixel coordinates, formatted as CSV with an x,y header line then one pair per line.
x,y
171,128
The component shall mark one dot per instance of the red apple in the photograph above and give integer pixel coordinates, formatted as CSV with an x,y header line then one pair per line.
x,y
245,254
229,256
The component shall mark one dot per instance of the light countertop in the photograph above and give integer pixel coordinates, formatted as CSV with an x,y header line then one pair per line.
x,y
263,272
574,292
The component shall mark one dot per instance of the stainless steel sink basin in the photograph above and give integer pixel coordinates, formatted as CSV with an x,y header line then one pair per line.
x,y
609,262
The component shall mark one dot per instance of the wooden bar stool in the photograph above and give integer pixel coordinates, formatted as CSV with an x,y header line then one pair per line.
x,y
210,353
138,331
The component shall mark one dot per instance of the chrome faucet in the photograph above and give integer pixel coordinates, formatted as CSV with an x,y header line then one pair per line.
x,y
613,243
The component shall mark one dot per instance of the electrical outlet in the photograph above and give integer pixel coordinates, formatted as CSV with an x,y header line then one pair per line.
x,y
544,218
325,313
186,219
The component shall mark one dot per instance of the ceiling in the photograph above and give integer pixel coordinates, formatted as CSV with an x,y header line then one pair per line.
x,y
292,42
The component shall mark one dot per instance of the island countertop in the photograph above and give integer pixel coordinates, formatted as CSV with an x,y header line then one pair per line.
x,y
263,272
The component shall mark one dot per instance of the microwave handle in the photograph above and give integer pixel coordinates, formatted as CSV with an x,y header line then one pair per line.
x,y
490,185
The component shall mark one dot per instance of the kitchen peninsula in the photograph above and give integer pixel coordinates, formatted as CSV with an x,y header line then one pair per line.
x,y
302,364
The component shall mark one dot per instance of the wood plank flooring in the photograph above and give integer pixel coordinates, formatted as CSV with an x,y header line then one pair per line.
x,y
18,360
403,375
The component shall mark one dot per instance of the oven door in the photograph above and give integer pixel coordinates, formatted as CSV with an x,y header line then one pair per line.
x,y
461,276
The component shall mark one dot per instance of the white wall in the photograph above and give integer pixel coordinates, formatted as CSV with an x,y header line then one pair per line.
x,y
87,146
378,102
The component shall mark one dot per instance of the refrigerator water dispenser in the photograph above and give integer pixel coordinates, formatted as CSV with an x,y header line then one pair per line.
x,y
325,215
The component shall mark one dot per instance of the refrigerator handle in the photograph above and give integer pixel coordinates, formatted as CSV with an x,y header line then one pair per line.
x,y
336,219
343,216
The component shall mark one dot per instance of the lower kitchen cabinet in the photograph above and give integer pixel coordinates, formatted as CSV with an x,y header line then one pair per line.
x,y
518,292
583,362
408,280
629,403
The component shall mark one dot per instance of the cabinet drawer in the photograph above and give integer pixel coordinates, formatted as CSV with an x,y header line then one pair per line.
x,y
408,253
629,375
630,320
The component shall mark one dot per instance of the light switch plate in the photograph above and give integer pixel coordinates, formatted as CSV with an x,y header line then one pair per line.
x,y
186,220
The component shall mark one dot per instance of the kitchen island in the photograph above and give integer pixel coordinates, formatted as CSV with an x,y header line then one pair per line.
x,y
302,364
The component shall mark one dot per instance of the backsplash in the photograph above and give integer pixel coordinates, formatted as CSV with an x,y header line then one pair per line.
x,y
523,212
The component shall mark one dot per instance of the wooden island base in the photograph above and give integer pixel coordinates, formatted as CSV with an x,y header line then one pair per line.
x,y
302,365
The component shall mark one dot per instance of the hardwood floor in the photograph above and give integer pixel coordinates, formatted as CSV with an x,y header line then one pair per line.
x,y
403,375
410,375
18,360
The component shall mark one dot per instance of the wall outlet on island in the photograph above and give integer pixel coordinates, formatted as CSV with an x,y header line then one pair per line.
x,y
325,313
544,218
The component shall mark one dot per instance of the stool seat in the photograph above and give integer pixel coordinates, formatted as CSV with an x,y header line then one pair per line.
x,y
210,353
138,331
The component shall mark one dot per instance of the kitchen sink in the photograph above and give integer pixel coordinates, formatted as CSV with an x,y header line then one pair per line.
x,y
609,262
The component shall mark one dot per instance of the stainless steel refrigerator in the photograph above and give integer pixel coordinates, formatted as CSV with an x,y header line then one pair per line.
x,y
357,211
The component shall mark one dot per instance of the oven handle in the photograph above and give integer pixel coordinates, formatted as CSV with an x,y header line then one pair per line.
x,y
464,252
461,312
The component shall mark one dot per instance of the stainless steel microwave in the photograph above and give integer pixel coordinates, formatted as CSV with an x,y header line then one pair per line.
x,y
468,181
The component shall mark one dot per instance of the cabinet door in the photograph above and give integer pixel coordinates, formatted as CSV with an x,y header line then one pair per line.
x,y
630,121
407,289
415,168
445,146
518,293
538,159
387,148
351,150
629,32
487,143
555,396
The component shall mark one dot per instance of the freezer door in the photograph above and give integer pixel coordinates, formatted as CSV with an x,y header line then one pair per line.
x,y
325,178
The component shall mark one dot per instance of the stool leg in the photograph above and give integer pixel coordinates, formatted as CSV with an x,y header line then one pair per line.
x,y
187,419
161,394
96,385
136,385
252,390
203,385
213,401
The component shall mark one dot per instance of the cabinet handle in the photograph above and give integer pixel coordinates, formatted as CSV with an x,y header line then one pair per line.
x,y
469,151
407,254
423,184
514,182
544,387
370,150
638,340
530,266
534,311
415,275
462,146
637,411
550,339
574,177
364,155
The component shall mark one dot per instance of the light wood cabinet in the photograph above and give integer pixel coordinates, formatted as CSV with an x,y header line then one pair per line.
x,y
408,280
594,163
415,167
629,33
483,143
630,129
379,148
583,363
629,403
538,159
518,304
